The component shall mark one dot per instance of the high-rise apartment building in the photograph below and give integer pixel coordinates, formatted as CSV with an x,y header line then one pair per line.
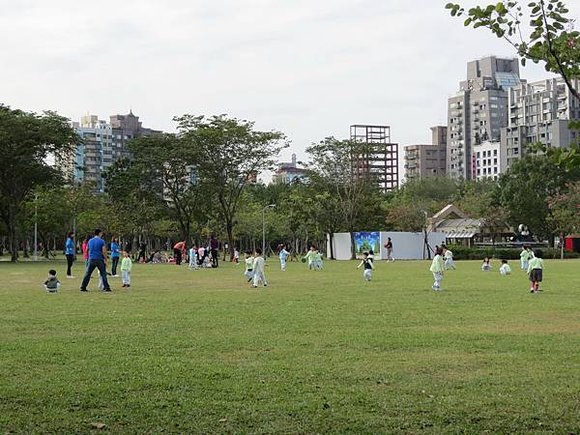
x,y
486,160
424,161
539,112
101,145
478,112
376,156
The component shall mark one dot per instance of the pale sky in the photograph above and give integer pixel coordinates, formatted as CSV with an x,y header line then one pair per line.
x,y
307,68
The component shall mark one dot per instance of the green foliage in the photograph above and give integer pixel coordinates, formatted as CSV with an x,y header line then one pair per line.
x,y
26,141
345,197
227,154
479,253
550,39
409,207
525,191
565,209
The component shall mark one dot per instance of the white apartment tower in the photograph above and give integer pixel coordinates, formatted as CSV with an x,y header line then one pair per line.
x,y
539,112
479,111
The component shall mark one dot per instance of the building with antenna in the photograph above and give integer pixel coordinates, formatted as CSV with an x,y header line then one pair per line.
x,y
289,172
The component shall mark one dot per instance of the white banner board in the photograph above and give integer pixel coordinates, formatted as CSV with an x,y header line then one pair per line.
x,y
406,245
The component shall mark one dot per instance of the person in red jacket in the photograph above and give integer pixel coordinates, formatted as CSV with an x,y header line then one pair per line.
x,y
178,251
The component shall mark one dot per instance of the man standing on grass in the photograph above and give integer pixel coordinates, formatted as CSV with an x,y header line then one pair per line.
x,y
389,246
97,260
214,245
178,250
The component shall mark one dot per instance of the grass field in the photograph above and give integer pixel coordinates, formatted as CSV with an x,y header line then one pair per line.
x,y
315,352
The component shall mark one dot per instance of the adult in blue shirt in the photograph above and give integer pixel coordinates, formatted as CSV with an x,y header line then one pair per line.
x,y
115,254
97,260
69,252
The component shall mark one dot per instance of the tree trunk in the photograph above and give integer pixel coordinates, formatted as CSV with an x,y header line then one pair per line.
x,y
352,246
13,242
330,241
230,234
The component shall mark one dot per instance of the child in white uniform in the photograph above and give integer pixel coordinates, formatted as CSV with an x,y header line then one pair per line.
x,y
437,268
249,261
505,268
448,256
283,255
193,257
258,266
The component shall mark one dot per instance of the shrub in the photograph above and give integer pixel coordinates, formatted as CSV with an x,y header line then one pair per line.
x,y
478,253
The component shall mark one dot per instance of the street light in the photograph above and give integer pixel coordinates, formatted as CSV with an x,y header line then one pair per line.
x,y
264,227
36,227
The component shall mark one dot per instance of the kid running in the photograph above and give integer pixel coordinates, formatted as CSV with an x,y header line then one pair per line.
x,y
258,266
437,268
283,256
367,262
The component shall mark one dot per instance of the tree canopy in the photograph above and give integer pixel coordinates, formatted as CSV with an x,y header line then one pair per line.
x,y
26,142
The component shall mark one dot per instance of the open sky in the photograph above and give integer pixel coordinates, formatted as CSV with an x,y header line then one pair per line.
x,y
306,68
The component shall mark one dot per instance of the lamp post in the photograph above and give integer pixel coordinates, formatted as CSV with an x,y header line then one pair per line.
x,y
426,247
264,227
36,227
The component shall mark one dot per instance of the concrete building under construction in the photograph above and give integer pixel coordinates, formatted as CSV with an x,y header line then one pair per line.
x,y
377,156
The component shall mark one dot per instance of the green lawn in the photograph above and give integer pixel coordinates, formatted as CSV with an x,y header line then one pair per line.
x,y
315,352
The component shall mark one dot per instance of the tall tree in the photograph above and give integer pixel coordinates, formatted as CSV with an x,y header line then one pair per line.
x,y
228,154
26,142
160,177
565,209
525,189
331,166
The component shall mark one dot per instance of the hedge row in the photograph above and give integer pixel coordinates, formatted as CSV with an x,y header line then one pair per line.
x,y
465,253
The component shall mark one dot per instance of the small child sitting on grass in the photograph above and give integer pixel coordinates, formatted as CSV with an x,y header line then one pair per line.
x,y
52,284
486,265
505,268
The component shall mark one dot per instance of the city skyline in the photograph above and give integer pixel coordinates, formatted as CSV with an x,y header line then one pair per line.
x,y
308,70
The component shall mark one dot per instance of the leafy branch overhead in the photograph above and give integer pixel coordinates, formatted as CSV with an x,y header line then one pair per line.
x,y
540,32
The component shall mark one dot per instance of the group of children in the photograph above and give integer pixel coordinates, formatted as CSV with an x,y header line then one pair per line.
x,y
314,258
531,262
255,266
199,258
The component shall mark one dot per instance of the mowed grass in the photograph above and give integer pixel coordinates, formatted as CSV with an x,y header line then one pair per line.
x,y
314,352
